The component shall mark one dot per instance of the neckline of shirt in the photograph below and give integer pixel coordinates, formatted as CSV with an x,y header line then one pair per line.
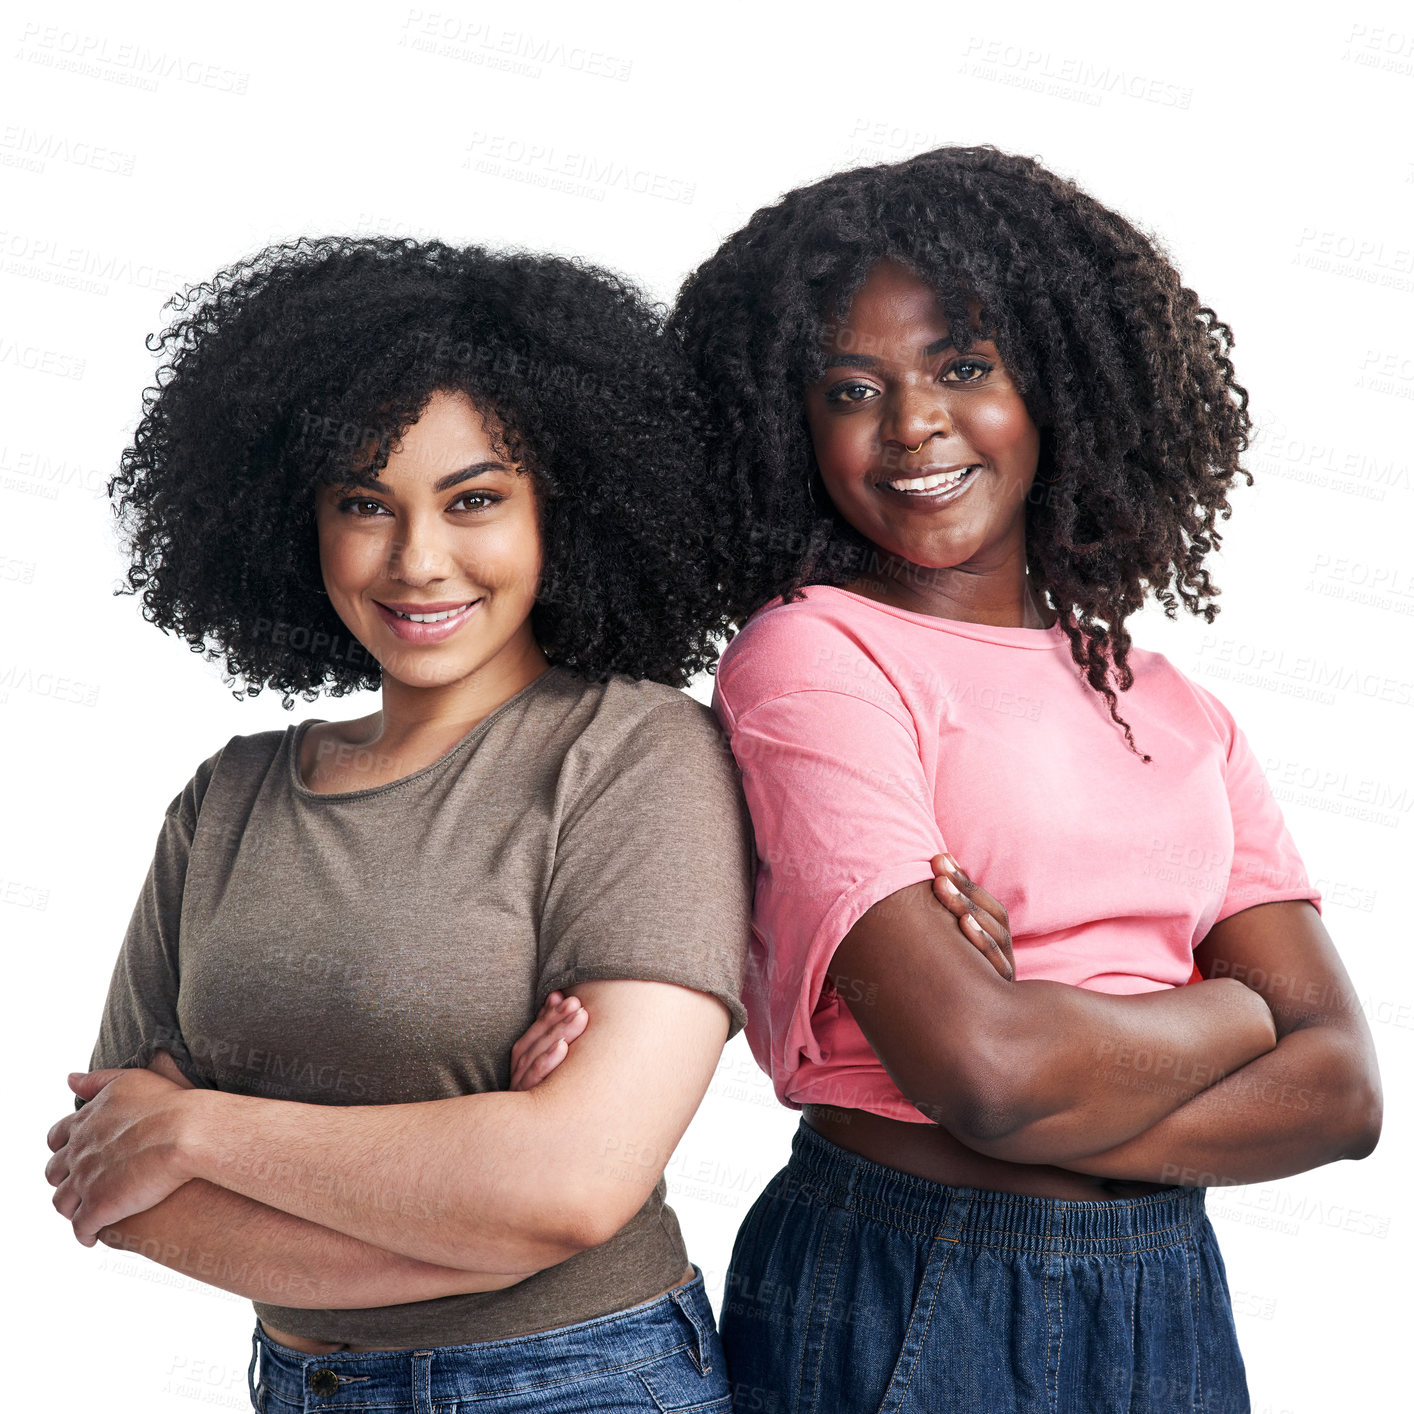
x,y
1053,637
294,734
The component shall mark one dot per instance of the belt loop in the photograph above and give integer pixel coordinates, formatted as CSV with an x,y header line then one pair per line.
x,y
256,1401
422,1382
682,1298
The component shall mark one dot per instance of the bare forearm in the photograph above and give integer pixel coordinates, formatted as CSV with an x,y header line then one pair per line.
x,y
1307,1103
501,1182
232,1242
1034,1071
462,1183
1081,1066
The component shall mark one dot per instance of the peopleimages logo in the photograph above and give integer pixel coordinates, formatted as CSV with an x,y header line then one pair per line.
x,y
1299,675
1356,257
32,150
586,174
35,473
512,50
119,61
1065,76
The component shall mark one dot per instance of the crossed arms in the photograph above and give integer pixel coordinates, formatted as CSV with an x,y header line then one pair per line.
x,y
351,1206
1264,1070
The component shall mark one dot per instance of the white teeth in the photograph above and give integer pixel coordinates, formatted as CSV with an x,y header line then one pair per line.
x,y
930,483
430,618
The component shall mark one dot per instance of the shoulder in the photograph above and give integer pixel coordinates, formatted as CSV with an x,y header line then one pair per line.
x,y
255,752
243,758
625,719
650,761
1179,698
824,642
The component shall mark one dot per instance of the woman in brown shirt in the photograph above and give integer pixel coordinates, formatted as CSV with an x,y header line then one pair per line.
x,y
472,482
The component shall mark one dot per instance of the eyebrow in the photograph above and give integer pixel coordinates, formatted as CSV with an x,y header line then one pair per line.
x,y
445,484
868,360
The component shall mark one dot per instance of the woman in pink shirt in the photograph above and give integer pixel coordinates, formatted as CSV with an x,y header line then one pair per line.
x,y
975,420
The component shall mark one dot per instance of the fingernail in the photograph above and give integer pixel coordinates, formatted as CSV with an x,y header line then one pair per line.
x,y
951,864
951,887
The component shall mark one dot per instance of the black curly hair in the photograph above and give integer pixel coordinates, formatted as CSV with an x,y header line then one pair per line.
x,y
1123,370
306,362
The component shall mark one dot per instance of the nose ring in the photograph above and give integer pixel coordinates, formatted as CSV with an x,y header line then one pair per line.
x,y
918,448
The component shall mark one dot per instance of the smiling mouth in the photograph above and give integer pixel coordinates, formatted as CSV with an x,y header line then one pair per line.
x,y
441,616
932,482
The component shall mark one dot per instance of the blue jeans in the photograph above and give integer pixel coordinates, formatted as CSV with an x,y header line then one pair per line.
x,y
659,1356
857,1289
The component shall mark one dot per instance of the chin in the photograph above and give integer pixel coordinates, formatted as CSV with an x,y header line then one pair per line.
x,y
931,556
412,673
428,684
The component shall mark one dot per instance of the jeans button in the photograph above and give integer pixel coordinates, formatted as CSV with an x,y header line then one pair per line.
x,y
324,1383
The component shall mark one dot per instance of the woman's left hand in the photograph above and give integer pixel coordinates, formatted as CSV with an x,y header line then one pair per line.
x,y
120,1154
985,921
546,1043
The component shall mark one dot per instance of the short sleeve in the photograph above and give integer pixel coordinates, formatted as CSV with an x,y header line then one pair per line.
x,y
140,1013
843,817
653,869
1266,865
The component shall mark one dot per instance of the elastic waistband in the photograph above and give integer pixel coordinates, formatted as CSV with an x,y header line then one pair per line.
x,y
428,1378
984,1217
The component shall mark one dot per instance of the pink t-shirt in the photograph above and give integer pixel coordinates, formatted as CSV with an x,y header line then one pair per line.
x,y
872,738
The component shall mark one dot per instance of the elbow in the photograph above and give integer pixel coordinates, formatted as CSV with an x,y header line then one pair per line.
x,y
594,1203
1351,1104
989,1118
981,1104
578,1207
572,1227
583,1224
595,1218
539,1235
1365,1112
517,1256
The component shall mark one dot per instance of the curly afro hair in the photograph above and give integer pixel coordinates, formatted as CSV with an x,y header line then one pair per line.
x,y
307,361
1124,372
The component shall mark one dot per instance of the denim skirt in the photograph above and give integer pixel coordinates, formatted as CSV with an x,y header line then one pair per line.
x,y
857,1289
662,1355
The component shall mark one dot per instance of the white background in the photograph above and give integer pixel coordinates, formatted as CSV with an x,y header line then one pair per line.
x,y
141,150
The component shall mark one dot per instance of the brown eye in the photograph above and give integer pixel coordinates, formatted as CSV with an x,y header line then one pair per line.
x,y
850,393
484,497
970,370
358,506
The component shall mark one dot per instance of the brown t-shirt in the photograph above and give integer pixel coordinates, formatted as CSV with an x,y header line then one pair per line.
x,y
389,945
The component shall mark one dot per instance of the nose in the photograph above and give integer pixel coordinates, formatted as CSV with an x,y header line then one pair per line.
x,y
914,417
421,554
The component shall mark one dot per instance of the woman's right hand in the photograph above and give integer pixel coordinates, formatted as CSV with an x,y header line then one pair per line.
x,y
985,922
547,1040
986,925
1248,1027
